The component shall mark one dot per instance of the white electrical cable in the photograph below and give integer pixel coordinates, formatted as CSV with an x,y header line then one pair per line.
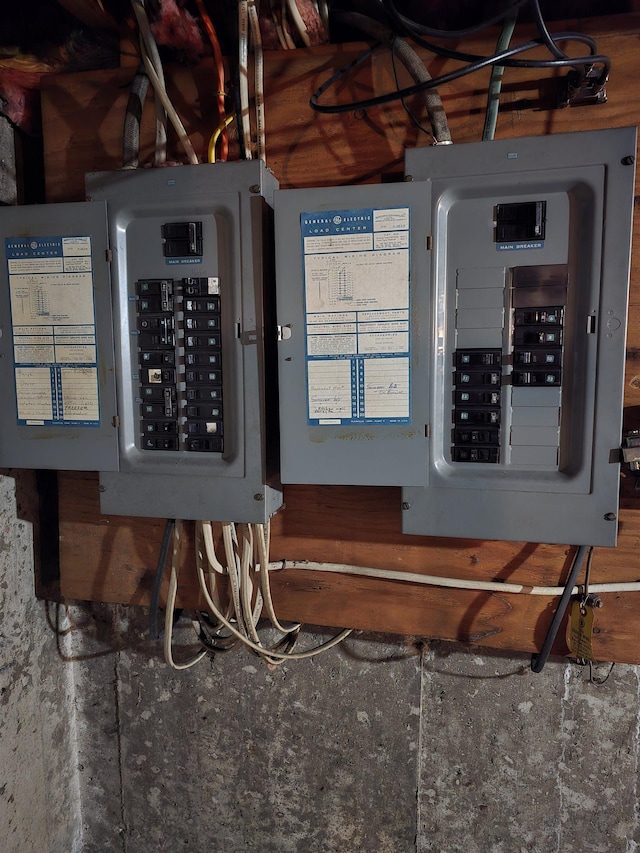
x,y
149,47
171,605
239,568
261,649
174,118
258,71
243,71
451,583
291,45
250,615
323,8
212,573
230,541
263,535
207,535
276,22
300,24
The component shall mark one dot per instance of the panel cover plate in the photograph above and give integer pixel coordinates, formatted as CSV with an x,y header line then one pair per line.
x,y
352,295
56,344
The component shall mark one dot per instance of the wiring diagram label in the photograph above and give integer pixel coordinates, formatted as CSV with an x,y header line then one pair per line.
x,y
357,323
54,330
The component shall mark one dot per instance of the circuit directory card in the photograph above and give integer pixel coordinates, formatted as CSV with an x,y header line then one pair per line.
x,y
54,330
357,320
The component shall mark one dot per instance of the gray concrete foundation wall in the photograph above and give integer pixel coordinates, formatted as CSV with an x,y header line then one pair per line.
x,y
39,796
382,745
378,746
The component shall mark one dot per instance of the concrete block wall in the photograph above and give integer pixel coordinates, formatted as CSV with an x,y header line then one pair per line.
x,y
39,794
382,745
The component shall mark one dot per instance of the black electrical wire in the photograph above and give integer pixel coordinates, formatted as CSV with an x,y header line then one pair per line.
x,y
454,34
538,661
440,50
154,604
575,62
415,30
544,32
414,65
209,634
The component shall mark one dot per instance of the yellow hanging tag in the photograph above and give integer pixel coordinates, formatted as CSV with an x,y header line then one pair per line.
x,y
580,630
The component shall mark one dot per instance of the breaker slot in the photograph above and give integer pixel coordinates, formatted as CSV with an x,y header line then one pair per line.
x,y
537,346
539,312
157,364
477,405
203,423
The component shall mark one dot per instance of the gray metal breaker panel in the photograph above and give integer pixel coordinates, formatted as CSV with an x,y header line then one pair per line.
x,y
195,384
134,342
529,283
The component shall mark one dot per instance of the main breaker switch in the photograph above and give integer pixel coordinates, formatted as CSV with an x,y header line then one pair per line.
x,y
182,239
520,221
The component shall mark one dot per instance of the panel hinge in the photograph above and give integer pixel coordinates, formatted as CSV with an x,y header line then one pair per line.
x,y
115,421
108,255
427,430
429,242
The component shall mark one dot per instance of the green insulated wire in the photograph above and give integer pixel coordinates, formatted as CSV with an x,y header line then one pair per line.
x,y
495,84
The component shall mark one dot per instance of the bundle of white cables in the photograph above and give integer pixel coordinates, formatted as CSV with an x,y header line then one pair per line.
x,y
246,569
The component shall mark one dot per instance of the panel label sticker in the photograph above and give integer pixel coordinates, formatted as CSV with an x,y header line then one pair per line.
x,y
54,330
520,246
357,322
174,262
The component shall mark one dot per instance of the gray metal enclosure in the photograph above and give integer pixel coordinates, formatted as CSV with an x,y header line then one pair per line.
x,y
135,341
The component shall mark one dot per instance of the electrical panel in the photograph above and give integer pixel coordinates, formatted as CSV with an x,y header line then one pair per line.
x,y
139,342
509,344
529,270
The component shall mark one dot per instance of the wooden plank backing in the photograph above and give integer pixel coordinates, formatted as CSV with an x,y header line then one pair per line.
x,y
113,558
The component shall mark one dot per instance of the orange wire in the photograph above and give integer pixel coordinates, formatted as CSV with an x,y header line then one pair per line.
x,y
217,56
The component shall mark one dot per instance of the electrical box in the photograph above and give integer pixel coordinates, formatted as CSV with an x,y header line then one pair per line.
x,y
140,343
529,272
462,334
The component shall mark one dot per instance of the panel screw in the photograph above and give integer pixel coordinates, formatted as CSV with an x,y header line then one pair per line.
x,y
610,516
629,160
406,505
254,188
258,497
103,488
408,178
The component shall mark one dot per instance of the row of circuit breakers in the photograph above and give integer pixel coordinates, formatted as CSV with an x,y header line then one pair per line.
x,y
460,334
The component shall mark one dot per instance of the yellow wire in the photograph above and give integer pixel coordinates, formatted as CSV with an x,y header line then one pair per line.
x,y
215,136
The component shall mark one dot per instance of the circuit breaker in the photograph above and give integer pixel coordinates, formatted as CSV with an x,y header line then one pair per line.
x,y
515,272
137,342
